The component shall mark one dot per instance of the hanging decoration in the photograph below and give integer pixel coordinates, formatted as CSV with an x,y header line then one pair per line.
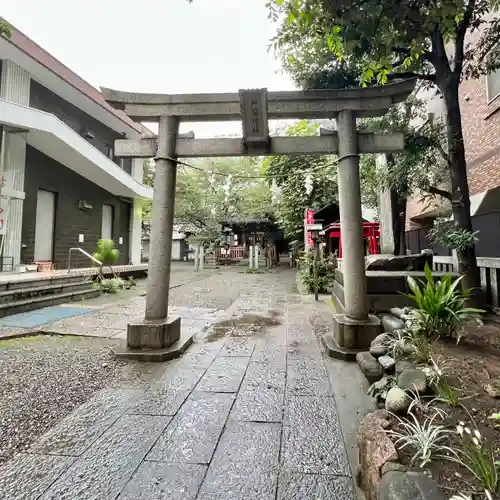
x,y
275,193
308,183
227,187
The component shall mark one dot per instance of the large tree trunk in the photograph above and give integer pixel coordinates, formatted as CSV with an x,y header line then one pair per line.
x,y
467,264
398,207
398,215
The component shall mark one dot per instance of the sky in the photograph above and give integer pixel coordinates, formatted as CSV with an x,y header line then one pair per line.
x,y
166,46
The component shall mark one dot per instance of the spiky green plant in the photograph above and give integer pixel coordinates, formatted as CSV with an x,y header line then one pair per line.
x,y
479,458
440,306
106,253
425,439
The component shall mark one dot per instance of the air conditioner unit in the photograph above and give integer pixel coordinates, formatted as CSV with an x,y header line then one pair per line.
x,y
84,205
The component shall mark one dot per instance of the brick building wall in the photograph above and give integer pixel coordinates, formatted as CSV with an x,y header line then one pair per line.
x,y
481,129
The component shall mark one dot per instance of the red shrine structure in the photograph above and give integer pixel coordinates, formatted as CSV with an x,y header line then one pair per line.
x,y
371,232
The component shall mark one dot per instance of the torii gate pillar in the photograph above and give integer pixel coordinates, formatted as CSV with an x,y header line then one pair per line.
x,y
159,331
355,328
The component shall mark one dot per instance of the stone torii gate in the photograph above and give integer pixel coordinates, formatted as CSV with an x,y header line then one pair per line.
x,y
158,336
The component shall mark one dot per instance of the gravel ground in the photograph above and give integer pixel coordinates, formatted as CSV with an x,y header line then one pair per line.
x,y
43,378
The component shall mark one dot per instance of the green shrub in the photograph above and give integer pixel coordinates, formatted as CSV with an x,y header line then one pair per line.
x,y
106,252
326,270
440,306
112,285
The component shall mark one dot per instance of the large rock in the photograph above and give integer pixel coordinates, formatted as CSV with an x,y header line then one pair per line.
x,y
396,485
390,323
387,363
404,364
414,262
412,380
377,350
369,366
375,450
380,339
397,401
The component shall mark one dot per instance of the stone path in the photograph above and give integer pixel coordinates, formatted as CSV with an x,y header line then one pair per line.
x,y
249,415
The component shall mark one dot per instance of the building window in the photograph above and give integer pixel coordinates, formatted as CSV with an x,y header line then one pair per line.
x,y
493,82
493,78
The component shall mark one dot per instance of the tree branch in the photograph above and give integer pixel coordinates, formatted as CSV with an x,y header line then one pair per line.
x,y
461,31
441,62
443,153
412,74
439,192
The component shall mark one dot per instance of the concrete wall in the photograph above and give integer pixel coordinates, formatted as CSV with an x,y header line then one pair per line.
x,y
14,87
45,100
45,173
179,248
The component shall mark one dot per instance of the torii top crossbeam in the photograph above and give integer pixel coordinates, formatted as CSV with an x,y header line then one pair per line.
x,y
308,104
255,108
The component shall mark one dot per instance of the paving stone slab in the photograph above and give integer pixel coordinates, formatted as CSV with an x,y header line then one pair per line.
x,y
194,432
312,438
130,434
167,394
161,481
238,347
258,406
179,377
263,376
295,486
26,477
269,354
80,429
245,463
165,401
307,376
198,356
107,466
224,375
303,348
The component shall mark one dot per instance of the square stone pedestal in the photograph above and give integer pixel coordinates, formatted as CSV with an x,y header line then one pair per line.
x,y
351,336
154,340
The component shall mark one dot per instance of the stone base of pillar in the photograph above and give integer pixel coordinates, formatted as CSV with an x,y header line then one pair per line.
x,y
351,336
154,340
154,334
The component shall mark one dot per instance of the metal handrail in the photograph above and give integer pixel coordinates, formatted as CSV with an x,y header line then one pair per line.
x,y
82,251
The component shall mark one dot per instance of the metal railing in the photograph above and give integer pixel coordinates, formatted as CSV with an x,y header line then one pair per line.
x,y
488,272
83,252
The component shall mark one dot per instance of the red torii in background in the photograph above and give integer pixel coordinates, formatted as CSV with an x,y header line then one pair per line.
x,y
371,232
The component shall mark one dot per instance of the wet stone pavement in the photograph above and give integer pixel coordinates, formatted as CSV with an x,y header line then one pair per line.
x,y
247,415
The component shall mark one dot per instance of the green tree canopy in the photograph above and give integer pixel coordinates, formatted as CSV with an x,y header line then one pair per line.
x,y
383,40
5,28
291,171
205,200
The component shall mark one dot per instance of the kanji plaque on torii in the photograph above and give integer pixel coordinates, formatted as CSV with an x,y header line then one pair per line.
x,y
158,334
254,120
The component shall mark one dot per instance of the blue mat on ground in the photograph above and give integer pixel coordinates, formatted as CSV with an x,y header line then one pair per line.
x,y
42,316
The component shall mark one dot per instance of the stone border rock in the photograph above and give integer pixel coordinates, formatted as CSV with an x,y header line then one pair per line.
x,y
380,474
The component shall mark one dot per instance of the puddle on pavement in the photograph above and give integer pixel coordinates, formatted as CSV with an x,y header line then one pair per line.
x,y
242,326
